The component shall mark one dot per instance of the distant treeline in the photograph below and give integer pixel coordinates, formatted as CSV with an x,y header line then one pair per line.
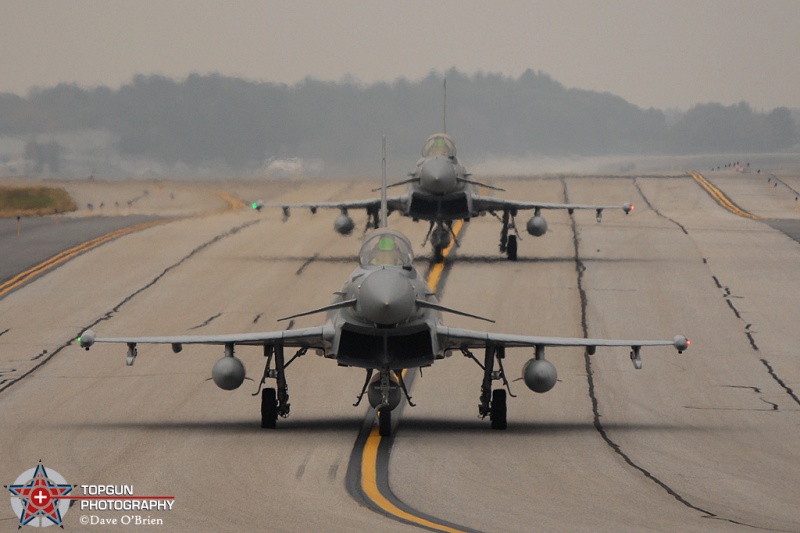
x,y
242,126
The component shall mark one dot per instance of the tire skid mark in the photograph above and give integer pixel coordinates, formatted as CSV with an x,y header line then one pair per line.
x,y
598,425
110,314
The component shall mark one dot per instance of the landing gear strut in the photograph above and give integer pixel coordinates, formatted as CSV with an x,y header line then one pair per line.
x,y
384,395
508,243
440,237
275,401
493,402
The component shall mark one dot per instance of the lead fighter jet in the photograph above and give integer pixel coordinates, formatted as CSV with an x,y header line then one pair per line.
x,y
385,319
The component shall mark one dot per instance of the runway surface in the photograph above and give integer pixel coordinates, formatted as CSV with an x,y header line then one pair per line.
x,y
42,237
703,441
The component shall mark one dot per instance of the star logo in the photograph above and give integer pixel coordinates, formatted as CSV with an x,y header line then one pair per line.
x,y
39,497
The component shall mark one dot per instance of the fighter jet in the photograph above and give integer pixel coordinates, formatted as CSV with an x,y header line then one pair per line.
x,y
385,319
440,191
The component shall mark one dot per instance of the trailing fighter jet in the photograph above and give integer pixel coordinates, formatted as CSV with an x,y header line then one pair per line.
x,y
440,191
385,319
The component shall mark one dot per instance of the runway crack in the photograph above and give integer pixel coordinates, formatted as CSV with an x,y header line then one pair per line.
x,y
306,263
656,211
580,268
784,386
207,322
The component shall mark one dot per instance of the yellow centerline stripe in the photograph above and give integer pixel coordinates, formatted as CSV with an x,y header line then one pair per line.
x,y
720,196
369,458
436,271
369,482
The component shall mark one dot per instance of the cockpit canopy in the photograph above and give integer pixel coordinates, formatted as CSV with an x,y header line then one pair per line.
x,y
439,144
386,247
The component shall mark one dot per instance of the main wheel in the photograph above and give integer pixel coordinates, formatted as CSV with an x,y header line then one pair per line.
x,y
498,409
511,248
438,254
385,421
269,408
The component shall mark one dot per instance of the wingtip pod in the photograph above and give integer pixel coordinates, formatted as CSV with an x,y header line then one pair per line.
x,y
628,207
86,339
681,343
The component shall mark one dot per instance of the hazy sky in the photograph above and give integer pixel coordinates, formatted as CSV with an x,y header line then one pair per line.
x,y
665,53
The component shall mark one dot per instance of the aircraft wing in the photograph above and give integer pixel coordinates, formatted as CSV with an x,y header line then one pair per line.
x,y
314,337
490,203
395,203
456,338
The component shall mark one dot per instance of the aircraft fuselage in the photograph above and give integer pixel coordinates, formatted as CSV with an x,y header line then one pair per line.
x,y
382,323
440,192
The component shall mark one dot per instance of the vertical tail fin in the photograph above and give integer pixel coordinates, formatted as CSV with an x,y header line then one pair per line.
x,y
444,109
384,207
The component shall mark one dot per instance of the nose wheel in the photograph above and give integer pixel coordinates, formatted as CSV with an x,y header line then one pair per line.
x,y
385,421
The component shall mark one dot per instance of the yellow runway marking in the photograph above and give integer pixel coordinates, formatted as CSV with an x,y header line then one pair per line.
x,y
369,458
436,271
369,483
720,196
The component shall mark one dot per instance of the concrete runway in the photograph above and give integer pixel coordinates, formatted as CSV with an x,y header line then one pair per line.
x,y
703,441
42,237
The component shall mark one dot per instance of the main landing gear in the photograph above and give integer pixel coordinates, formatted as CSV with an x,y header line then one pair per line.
x,y
493,402
275,401
508,243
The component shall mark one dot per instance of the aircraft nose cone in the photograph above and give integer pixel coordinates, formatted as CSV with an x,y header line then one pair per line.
x,y
438,175
386,297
